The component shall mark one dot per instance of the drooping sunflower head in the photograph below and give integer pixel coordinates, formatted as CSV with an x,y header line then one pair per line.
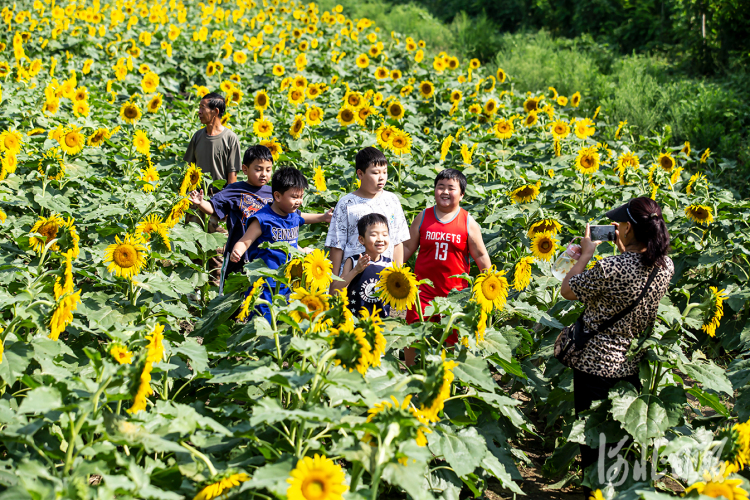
x,y
544,226
522,273
317,270
372,325
702,214
398,287
628,159
316,303
411,422
51,164
544,246
298,125
317,478
353,352
526,193
437,386
126,257
47,228
68,239
491,289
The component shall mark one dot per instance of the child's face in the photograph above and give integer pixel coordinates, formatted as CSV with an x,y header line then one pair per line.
x,y
289,201
448,194
258,172
374,178
376,238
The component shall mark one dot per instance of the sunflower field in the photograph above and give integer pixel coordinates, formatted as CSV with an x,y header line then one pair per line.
x,y
123,374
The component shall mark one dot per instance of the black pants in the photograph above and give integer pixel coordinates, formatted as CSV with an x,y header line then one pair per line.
x,y
588,388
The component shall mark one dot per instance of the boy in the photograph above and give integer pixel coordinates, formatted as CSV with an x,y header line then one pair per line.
x,y
279,221
446,235
343,238
362,272
239,201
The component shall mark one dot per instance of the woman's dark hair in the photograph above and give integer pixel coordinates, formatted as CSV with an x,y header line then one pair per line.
x,y
452,174
287,178
369,157
370,220
215,101
258,152
650,229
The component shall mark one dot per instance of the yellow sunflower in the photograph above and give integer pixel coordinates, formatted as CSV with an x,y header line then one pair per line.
x,y
144,390
219,486
401,143
141,143
490,107
531,104
262,127
98,137
701,214
72,140
666,161
500,75
80,94
491,289
715,311
346,116
63,315
531,119
316,303
354,100
154,104
526,193
296,96
81,108
575,100
382,73
544,226
372,325
522,273
584,128
121,354
317,478
398,287
728,489
278,70
362,61
426,89
587,161
319,179
298,125
314,116
503,129
274,146
628,160
317,270
130,112
48,228
192,179
395,110
384,134
352,349
560,130
456,95
11,141
261,100
544,246
437,388
126,257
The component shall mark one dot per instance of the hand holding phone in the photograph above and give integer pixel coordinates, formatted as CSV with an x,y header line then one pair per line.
x,y
603,233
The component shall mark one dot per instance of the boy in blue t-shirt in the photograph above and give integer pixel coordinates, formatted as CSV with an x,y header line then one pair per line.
x,y
362,271
279,221
239,201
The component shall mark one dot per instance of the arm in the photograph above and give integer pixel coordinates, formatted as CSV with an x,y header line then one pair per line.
x,y
316,218
588,248
252,233
398,254
196,198
337,255
350,272
477,250
232,177
412,244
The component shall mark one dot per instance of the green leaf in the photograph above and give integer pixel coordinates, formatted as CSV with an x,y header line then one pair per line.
x,y
220,310
407,477
710,400
492,465
271,477
473,370
41,399
16,359
708,374
464,451
644,417
196,353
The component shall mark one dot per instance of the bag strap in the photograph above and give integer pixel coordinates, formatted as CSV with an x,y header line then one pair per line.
x,y
617,317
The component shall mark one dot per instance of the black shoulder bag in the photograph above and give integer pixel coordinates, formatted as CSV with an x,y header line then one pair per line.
x,y
573,339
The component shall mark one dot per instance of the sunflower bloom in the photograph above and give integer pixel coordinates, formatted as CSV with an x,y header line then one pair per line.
x,y
148,176
126,257
353,352
716,312
317,270
398,287
141,143
666,161
262,127
526,194
121,354
72,140
319,179
544,246
48,227
727,488
390,411
587,161
298,125
401,143
491,289
63,315
544,226
437,388
130,113
445,147
11,141
192,179
316,303
219,488
522,274
317,478
560,130
503,129
700,214
144,390
249,300
372,325
584,128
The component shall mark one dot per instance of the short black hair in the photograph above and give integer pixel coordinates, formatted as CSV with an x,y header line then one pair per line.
x,y
287,178
216,101
370,220
258,152
369,157
453,174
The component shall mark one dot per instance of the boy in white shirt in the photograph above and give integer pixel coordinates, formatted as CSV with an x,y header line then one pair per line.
x,y
343,237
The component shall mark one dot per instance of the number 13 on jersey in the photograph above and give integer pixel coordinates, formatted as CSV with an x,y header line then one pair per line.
x,y
441,251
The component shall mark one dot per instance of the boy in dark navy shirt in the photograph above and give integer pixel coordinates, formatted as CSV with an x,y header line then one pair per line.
x,y
279,221
362,272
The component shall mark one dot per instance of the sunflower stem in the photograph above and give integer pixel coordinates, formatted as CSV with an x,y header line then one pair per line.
x,y
200,455
449,326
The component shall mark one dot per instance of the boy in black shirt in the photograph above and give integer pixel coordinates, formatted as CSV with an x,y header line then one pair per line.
x,y
362,272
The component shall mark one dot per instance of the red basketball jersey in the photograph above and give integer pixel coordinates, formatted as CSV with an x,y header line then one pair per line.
x,y
443,252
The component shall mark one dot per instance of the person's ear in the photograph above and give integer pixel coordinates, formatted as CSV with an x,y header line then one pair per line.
x,y
360,174
361,240
277,196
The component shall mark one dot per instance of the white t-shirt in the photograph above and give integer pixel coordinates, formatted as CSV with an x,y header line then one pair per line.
x,y
342,232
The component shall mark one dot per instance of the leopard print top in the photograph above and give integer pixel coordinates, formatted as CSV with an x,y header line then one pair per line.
x,y
606,289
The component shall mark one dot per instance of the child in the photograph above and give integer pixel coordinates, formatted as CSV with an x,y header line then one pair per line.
x,y
362,272
279,221
241,200
445,235
343,237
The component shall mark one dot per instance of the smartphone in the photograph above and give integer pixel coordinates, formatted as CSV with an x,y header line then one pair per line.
x,y
603,233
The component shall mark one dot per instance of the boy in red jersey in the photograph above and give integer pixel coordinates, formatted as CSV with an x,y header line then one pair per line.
x,y
446,235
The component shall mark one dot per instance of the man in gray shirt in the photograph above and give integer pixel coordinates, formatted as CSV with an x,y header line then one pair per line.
x,y
216,151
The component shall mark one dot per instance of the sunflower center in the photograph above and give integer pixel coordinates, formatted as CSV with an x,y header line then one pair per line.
x,y
195,178
314,115
559,130
48,230
125,255
587,161
262,100
700,213
395,109
347,115
313,489
527,191
398,286
666,163
354,100
545,246
71,140
491,288
130,112
98,136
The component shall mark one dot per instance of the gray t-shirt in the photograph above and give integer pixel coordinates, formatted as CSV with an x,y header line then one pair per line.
x,y
216,155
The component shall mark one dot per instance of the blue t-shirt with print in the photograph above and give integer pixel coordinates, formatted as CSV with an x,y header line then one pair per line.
x,y
239,202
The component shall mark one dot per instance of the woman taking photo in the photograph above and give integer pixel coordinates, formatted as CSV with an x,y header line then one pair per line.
x,y
611,286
